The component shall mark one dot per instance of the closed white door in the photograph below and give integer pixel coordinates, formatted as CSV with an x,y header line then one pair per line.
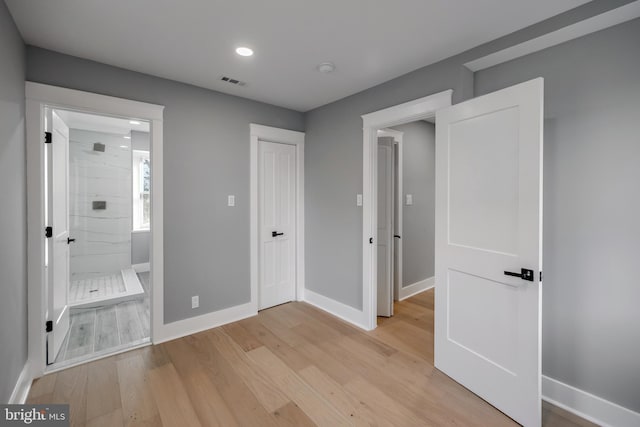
x,y
277,204
489,247
385,226
58,213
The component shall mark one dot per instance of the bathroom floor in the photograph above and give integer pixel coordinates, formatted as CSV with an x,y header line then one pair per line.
x,y
106,329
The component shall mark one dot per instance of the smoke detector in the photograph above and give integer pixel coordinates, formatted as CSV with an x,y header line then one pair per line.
x,y
326,67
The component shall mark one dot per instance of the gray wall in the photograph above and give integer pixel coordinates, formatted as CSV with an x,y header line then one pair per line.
x,y
418,220
140,140
140,249
13,213
206,152
333,156
591,318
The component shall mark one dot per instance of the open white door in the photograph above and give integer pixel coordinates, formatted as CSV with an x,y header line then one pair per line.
x,y
489,224
58,213
385,226
277,213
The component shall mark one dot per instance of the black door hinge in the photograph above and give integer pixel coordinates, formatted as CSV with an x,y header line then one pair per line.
x,y
371,240
48,327
541,276
48,232
47,137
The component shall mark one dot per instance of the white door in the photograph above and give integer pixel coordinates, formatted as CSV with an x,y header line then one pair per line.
x,y
397,223
385,226
277,193
58,213
489,224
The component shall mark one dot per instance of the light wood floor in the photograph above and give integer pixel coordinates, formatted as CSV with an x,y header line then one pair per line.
x,y
290,365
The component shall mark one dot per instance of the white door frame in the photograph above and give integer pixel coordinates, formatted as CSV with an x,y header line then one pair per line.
x,y
397,219
37,97
419,109
281,136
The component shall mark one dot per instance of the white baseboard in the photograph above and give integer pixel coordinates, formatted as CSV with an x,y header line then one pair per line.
x,y
415,288
587,406
141,268
182,328
23,385
338,309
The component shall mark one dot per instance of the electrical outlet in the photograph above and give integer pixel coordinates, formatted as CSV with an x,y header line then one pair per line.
x,y
358,199
231,200
409,200
195,301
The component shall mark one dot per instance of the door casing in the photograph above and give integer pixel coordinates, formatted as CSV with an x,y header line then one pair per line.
x,y
419,109
282,136
38,97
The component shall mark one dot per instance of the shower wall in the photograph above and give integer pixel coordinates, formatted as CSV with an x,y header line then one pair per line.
x,y
102,230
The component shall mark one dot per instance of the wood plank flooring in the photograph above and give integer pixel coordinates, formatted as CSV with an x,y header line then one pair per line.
x,y
291,365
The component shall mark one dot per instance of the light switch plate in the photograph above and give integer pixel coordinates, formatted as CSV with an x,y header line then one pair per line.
x,y
231,200
195,301
358,199
409,199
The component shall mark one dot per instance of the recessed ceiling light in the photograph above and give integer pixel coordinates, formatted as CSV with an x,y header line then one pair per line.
x,y
326,67
134,122
127,137
244,51
124,146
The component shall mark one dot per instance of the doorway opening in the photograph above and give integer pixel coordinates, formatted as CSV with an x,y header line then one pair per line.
x,y
95,189
98,196
488,239
413,111
406,213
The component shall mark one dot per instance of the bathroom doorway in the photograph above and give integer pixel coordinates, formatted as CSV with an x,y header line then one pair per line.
x,y
98,184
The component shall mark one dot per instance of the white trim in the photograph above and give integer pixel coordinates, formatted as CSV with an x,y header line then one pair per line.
x,y
22,387
586,405
66,364
591,25
282,136
37,97
193,325
142,267
418,109
417,287
338,309
397,219
92,102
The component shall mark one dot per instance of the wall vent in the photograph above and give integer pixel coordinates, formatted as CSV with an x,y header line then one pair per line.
x,y
233,81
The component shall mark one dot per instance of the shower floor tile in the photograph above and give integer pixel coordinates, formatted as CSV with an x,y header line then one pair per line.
x,y
96,287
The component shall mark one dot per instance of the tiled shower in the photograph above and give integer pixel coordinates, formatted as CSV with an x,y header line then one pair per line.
x,y
100,215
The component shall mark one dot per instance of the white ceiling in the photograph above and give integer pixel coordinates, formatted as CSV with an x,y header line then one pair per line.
x,y
95,123
193,41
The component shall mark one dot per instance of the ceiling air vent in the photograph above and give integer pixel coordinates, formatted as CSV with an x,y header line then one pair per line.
x,y
233,81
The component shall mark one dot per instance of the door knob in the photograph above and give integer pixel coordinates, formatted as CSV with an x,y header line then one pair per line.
x,y
524,274
70,240
275,233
